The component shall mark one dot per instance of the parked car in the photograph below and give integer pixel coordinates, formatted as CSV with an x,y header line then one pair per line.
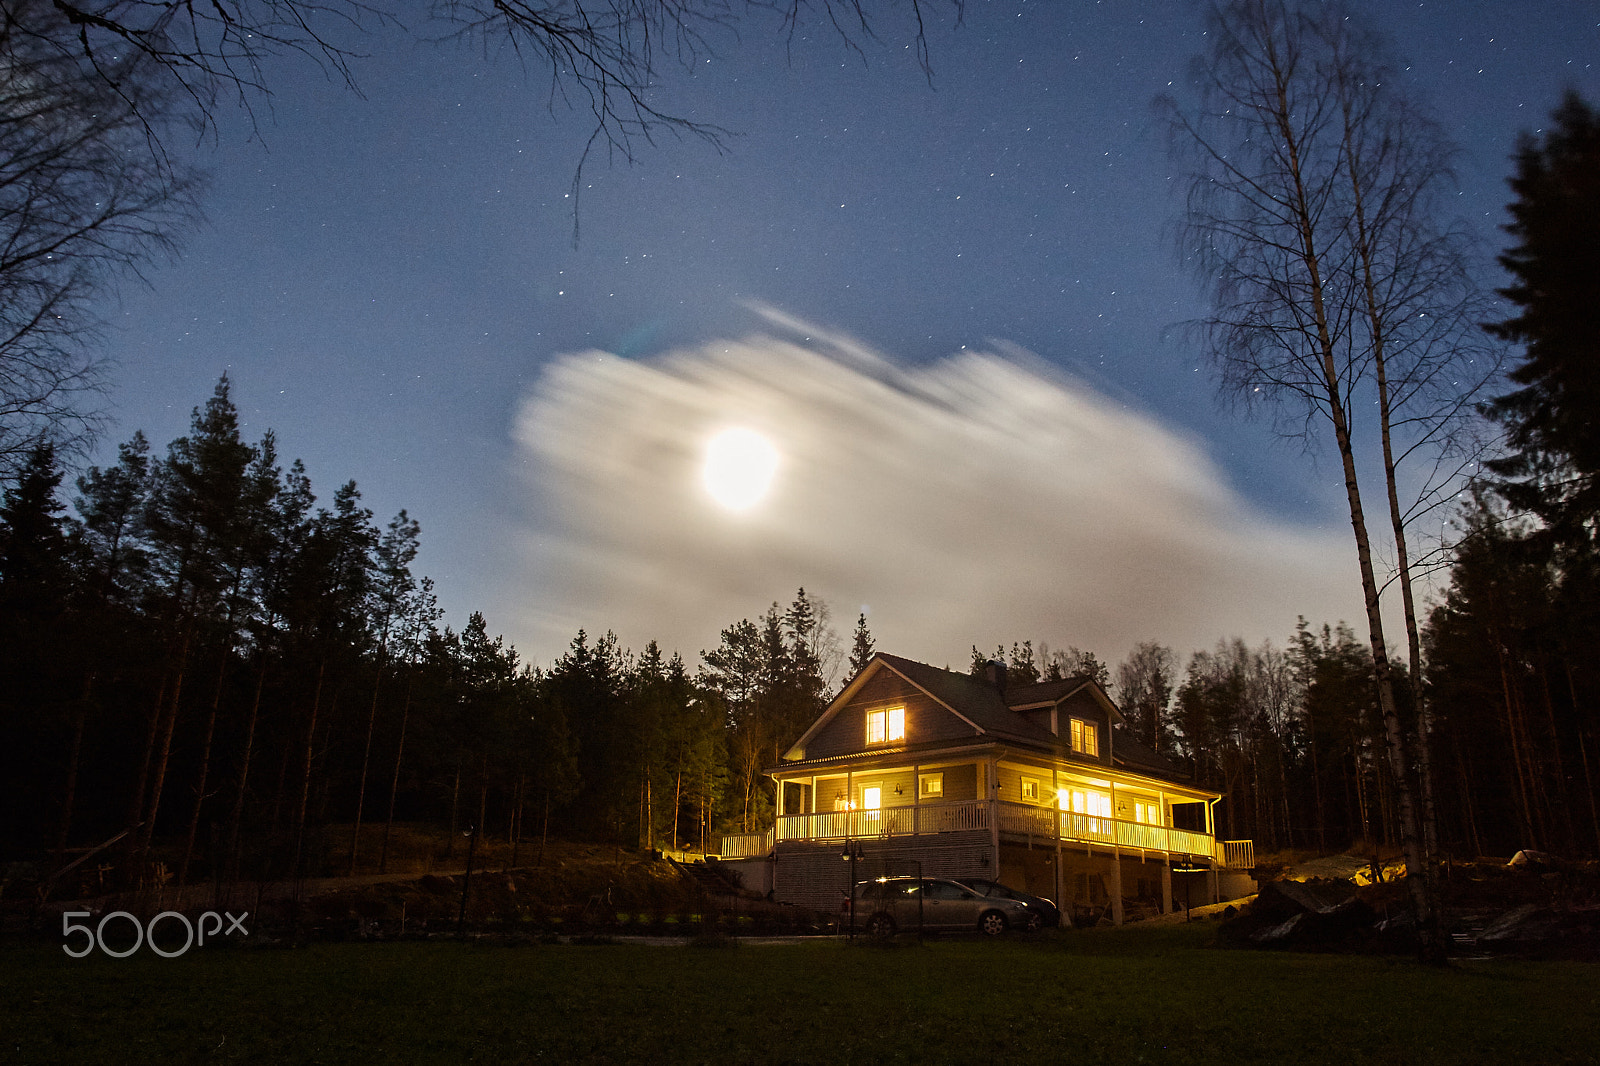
x,y
1047,912
887,905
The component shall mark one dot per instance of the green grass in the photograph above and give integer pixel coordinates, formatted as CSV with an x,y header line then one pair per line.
x,y
1138,995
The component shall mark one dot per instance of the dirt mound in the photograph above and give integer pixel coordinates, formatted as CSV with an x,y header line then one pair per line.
x,y
1533,909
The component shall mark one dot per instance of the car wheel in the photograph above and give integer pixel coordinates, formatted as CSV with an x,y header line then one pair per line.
x,y
881,926
992,923
1035,922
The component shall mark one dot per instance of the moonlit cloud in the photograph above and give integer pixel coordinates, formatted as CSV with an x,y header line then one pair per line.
x,y
978,499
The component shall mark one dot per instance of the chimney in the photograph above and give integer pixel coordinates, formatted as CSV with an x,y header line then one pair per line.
x,y
995,672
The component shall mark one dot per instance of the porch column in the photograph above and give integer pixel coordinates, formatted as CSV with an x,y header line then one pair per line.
x,y
916,799
1055,804
1116,885
993,786
1116,859
1166,884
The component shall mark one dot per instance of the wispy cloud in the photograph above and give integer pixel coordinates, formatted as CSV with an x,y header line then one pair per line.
x,y
978,499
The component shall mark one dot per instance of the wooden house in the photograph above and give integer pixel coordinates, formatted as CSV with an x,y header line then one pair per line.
x,y
917,770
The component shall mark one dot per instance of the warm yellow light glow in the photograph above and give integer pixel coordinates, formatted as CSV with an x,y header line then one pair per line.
x,y
886,727
738,469
1082,801
1085,737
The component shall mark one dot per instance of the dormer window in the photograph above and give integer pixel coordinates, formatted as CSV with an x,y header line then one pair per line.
x,y
1085,738
886,727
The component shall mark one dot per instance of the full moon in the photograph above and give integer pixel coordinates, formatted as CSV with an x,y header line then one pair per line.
x,y
738,468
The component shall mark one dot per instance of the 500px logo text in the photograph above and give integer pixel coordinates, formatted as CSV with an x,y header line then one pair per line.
x,y
147,933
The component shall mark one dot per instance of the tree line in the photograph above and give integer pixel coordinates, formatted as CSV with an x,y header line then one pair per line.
x,y
1292,737
203,652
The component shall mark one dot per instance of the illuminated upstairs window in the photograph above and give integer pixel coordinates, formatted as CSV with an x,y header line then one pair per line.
x,y
1085,738
886,727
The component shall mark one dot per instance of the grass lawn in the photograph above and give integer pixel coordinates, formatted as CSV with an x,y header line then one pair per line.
x,y
1160,994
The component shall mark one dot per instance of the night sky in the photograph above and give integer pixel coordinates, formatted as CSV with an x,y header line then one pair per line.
x,y
954,309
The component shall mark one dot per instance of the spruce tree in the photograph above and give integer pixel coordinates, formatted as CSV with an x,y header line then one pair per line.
x,y
1554,469
862,647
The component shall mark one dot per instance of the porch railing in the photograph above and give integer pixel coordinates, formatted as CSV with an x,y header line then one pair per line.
x,y
1013,819
1237,854
746,845
890,821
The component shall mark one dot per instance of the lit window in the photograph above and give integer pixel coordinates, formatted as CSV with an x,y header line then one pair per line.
x,y
872,798
1149,813
1030,790
886,727
1085,737
1082,801
932,786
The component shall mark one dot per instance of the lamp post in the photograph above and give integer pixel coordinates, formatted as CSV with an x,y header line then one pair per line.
x,y
461,918
851,854
1187,867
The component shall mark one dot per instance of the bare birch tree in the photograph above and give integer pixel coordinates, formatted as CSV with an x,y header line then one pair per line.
x,y
1312,217
1420,307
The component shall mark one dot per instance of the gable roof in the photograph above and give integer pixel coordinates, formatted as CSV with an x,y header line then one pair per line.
x,y
974,700
1050,693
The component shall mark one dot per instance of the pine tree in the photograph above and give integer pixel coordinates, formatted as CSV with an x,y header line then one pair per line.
x,y
1555,466
110,506
199,526
1023,669
392,588
862,646
38,652
34,564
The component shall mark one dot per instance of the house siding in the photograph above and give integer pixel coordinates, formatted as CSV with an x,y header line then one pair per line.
x,y
1082,705
1010,778
926,720
960,782
887,782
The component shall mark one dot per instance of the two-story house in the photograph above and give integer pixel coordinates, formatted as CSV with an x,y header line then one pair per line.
x,y
917,770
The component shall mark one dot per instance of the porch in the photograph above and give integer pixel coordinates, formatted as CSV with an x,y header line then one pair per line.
x,y
1005,820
